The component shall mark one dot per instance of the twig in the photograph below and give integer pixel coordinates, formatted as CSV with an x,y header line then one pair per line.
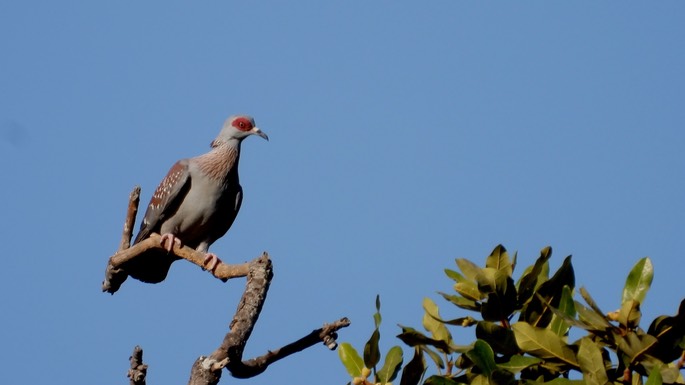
x,y
129,223
327,334
207,370
115,276
222,271
138,369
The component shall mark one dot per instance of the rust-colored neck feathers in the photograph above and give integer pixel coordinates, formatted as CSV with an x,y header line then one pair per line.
x,y
221,163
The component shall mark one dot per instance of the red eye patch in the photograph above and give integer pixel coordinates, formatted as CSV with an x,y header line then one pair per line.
x,y
242,123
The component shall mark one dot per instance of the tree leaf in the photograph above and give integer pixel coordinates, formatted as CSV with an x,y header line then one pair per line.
x,y
469,290
501,339
629,316
431,323
518,362
564,381
670,331
559,324
440,380
413,371
371,352
595,321
634,345
350,359
468,268
434,356
393,362
654,377
413,337
533,277
543,343
377,315
639,281
461,301
483,357
536,312
499,260
591,302
454,275
591,363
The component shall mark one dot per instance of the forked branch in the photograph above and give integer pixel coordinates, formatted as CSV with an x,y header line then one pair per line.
x,y
229,355
113,276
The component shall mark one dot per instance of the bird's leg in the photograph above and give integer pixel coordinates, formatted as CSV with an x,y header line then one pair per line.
x,y
168,240
211,262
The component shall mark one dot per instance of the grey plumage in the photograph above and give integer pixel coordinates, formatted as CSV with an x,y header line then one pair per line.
x,y
196,202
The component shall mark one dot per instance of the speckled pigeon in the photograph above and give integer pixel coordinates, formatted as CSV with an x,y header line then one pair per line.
x,y
196,203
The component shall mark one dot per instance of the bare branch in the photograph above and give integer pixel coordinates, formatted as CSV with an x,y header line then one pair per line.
x,y
138,369
259,272
207,370
130,222
222,271
115,276
250,368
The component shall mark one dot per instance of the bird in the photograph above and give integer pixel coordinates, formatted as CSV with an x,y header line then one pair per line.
x,y
195,204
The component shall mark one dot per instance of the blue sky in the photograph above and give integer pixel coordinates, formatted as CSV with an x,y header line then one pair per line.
x,y
403,135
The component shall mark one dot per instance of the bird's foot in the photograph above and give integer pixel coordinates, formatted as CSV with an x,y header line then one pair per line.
x,y
211,262
168,241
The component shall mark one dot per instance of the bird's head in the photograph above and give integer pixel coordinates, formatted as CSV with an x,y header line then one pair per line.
x,y
238,127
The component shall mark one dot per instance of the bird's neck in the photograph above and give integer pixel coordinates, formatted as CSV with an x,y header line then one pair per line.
x,y
221,163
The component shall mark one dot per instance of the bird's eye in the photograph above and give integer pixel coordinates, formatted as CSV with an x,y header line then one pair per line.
x,y
242,124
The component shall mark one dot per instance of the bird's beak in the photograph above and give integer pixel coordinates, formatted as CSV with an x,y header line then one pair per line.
x,y
259,132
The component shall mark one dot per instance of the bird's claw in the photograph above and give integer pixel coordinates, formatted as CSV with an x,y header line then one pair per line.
x,y
211,262
168,241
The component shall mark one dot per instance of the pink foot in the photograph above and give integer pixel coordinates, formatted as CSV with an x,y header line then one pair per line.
x,y
211,261
168,241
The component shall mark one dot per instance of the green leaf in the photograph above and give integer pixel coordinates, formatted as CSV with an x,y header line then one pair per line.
x,y
413,371
454,275
501,339
461,301
469,290
533,277
595,321
634,345
591,302
654,377
468,268
591,363
629,316
499,260
564,381
536,312
502,302
559,324
437,359
440,380
543,343
413,337
639,281
371,353
350,359
461,321
431,323
377,315
393,362
670,331
517,363
483,357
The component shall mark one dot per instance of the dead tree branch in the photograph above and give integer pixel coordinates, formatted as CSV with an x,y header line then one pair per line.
x,y
229,355
114,276
207,370
138,370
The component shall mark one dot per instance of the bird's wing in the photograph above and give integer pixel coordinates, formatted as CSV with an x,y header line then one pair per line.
x,y
166,199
